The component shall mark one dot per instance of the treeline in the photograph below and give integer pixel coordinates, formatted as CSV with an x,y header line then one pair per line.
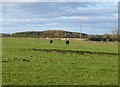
x,y
49,34
4,35
105,37
64,34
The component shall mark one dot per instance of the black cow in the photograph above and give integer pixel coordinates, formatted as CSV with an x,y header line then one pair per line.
x,y
51,41
67,42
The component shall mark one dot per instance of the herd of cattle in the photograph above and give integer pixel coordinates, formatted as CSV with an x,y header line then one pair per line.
x,y
67,42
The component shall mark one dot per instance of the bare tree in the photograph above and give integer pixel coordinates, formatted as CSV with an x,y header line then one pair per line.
x,y
115,35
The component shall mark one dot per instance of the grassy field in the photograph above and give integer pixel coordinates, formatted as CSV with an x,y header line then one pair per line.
x,y
22,65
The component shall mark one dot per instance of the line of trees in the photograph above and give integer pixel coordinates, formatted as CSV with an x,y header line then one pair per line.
x,y
115,36
105,37
65,34
49,34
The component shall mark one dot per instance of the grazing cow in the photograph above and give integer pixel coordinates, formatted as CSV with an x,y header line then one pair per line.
x,y
67,42
51,41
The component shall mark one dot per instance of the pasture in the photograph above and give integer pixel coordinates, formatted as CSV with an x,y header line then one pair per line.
x,y
36,62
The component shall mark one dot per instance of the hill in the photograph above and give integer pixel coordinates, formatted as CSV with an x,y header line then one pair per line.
x,y
49,34
63,34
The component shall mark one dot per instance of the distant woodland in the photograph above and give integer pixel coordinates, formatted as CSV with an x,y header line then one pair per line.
x,y
63,34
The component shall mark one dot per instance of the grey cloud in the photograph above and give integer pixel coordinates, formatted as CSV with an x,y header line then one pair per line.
x,y
65,15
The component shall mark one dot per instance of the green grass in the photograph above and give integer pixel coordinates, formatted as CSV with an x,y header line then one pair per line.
x,y
16,43
53,68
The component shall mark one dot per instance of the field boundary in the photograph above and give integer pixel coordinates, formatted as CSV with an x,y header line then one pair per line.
x,y
73,51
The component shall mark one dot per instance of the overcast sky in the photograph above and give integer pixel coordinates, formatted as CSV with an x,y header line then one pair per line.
x,y
91,17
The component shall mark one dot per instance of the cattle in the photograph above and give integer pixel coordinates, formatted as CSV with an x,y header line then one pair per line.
x,y
67,42
51,41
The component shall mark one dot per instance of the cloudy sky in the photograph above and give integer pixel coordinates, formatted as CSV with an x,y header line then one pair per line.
x,y
91,17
